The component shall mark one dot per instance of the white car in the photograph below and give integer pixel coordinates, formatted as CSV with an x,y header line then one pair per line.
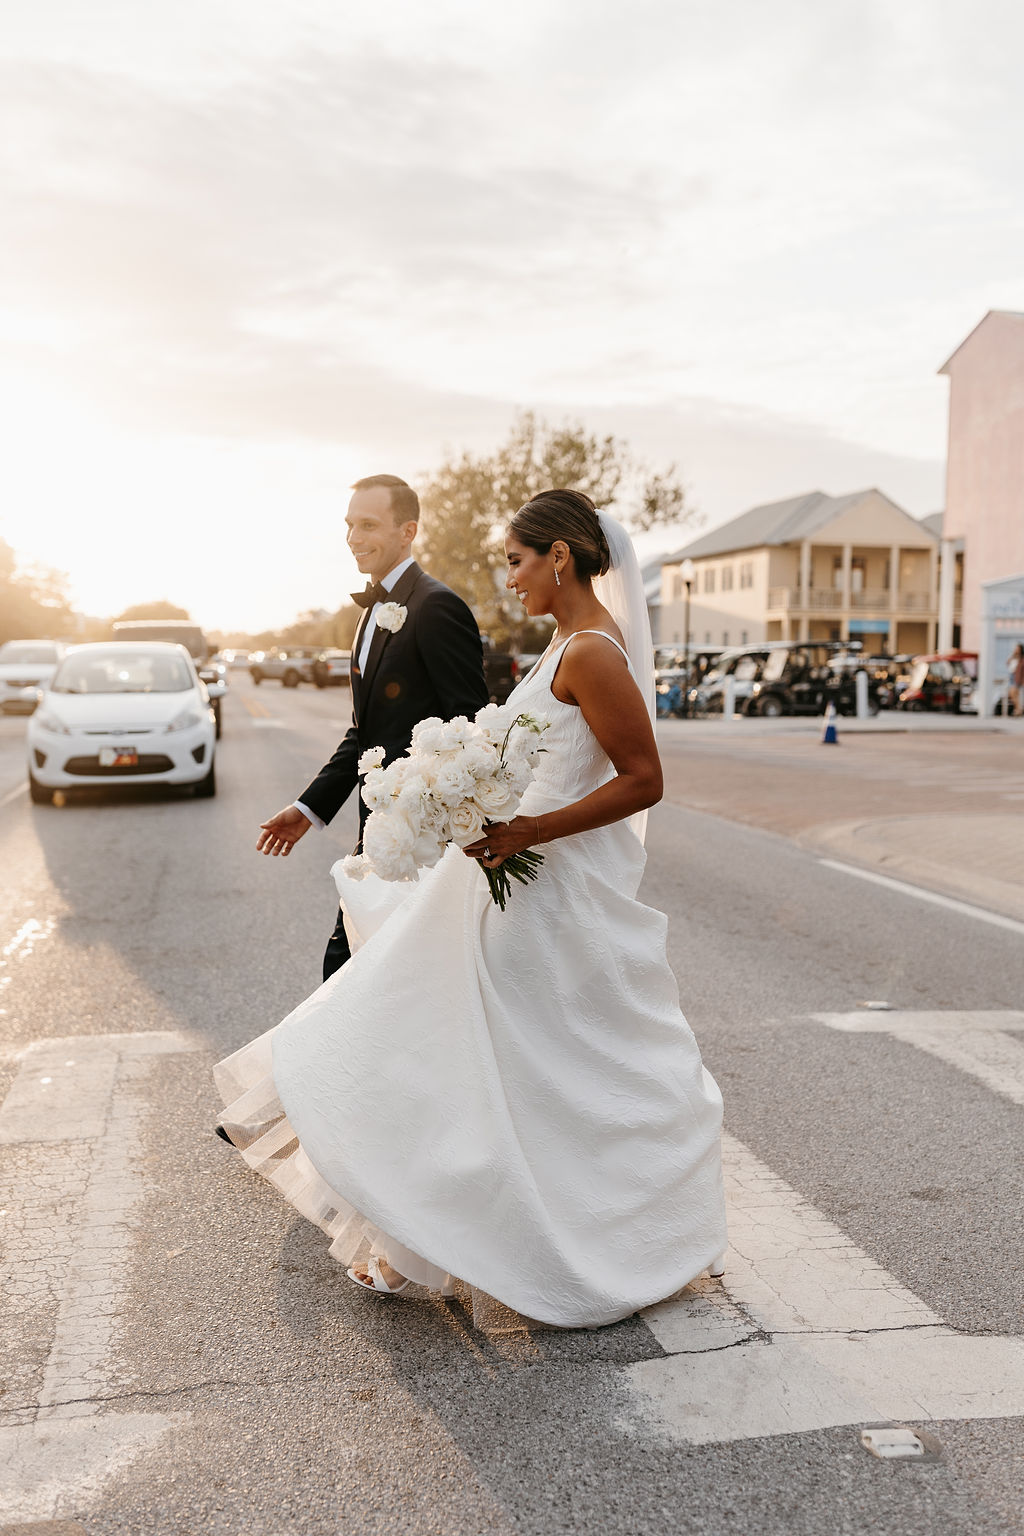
x,y
25,667
128,712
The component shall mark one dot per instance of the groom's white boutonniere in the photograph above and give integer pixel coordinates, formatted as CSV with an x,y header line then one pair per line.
x,y
391,616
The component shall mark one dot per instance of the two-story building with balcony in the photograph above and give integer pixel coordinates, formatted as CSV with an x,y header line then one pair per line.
x,y
814,567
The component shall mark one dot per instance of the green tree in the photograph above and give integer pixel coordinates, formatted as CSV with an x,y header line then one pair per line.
x,y
33,603
160,609
468,501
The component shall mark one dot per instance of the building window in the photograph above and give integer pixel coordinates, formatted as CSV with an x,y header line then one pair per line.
x,y
743,637
725,637
709,579
726,578
707,637
746,573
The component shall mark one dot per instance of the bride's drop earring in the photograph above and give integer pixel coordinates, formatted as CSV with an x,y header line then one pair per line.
x,y
558,581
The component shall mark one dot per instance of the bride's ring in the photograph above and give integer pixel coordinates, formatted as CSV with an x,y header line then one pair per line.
x,y
487,853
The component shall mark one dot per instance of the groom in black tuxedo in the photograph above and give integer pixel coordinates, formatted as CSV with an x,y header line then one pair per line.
x,y
428,662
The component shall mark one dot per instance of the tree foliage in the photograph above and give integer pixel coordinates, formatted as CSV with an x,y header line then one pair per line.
x,y
468,501
159,609
33,603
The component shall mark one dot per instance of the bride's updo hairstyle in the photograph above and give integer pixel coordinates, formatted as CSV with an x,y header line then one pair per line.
x,y
570,516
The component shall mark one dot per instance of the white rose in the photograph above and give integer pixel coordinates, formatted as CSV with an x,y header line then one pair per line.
x,y
388,843
354,867
391,616
496,799
414,788
427,735
480,759
495,719
522,745
465,823
456,732
373,757
376,790
452,783
519,775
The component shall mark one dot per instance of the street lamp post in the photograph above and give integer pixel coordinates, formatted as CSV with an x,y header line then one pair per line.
x,y
688,572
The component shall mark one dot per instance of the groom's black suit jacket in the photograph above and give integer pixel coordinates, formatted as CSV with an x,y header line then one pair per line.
x,y
433,665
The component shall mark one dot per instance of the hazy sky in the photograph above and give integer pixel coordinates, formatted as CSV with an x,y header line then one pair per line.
x,y
253,250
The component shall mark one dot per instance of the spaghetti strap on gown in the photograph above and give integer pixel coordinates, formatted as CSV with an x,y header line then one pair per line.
x,y
510,1099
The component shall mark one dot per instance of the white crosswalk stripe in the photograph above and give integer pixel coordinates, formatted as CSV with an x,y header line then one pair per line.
x,y
70,1129
808,1332
983,1044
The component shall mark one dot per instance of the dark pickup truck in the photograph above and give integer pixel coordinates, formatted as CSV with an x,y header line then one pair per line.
x,y
501,672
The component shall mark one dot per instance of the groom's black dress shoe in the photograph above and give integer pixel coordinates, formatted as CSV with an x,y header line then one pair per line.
x,y
222,1133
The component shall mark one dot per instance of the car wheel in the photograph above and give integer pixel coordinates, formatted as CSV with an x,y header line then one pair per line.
x,y
207,787
291,678
216,720
257,678
321,682
771,708
38,793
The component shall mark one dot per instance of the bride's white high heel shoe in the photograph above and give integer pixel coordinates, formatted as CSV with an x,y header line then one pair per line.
x,y
377,1282
717,1269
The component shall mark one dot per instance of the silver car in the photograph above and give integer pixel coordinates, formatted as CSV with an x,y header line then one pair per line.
x,y
25,667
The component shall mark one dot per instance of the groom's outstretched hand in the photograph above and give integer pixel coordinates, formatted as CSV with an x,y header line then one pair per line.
x,y
282,832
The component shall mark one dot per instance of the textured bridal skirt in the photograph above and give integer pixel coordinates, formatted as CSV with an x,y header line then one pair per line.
x,y
510,1101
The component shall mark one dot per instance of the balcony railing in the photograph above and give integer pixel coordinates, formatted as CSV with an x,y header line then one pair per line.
x,y
830,600
870,597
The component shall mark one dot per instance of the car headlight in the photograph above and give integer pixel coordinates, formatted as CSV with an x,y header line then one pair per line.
x,y
48,721
190,715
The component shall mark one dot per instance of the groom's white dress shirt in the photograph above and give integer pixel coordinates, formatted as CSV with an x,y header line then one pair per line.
x,y
388,582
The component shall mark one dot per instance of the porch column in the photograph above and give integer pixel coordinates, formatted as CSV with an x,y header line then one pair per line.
x,y
805,589
845,599
894,581
947,593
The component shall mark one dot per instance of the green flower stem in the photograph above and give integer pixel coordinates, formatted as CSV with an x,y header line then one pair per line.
x,y
523,867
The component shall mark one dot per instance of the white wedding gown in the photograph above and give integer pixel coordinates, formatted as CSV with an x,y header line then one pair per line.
x,y
512,1099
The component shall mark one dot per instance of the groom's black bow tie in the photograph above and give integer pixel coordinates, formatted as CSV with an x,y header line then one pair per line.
x,y
372,593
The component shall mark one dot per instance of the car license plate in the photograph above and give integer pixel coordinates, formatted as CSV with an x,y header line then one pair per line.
x,y
119,757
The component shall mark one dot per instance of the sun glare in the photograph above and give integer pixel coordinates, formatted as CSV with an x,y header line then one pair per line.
x,y
245,536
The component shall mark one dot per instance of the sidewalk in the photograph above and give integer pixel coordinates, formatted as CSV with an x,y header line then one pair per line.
x,y
886,722
893,802
978,859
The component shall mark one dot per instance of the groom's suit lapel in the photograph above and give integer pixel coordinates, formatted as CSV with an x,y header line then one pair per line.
x,y
400,593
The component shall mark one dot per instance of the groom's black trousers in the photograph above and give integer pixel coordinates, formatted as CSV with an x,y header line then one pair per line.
x,y
337,951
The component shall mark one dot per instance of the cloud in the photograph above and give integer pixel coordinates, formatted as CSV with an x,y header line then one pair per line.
x,y
250,262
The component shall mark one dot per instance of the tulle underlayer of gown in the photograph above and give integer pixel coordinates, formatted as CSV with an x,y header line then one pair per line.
x,y
510,1101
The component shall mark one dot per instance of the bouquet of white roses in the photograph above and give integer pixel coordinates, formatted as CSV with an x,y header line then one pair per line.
x,y
458,777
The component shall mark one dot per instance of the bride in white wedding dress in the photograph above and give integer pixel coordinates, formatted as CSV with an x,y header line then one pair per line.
x,y
513,1099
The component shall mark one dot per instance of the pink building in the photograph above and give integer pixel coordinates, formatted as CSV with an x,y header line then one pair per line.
x,y
985,469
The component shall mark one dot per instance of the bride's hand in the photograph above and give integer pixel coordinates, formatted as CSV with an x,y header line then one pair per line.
x,y
503,839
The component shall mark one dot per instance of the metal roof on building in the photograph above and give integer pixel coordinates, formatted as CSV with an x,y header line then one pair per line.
x,y
777,522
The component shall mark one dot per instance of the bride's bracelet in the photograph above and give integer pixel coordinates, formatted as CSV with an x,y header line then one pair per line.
x,y
537,820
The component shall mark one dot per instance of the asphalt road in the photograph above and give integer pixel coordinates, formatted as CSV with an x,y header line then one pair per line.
x,y
202,1363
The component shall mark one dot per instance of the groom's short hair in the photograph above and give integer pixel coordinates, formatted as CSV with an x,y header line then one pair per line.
x,y
405,504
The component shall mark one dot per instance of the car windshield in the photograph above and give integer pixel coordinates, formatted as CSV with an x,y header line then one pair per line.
x,y
123,670
27,653
775,666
